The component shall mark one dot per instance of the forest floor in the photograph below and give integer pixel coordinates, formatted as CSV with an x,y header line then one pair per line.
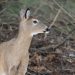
x,y
53,55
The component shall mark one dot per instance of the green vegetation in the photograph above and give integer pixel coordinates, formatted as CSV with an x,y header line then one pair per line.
x,y
46,9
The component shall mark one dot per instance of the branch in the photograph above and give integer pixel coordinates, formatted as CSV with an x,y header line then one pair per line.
x,y
65,39
63,10
49,47
38,8
2,11
55,18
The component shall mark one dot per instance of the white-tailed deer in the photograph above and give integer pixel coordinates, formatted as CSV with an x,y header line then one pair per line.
x,y
14,55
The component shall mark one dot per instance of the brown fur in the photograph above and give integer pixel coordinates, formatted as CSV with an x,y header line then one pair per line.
x,y
14,55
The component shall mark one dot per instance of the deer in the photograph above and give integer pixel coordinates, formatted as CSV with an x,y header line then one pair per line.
x,y
14,54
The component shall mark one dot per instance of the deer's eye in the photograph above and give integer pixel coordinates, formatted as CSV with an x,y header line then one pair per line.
x,y
35,22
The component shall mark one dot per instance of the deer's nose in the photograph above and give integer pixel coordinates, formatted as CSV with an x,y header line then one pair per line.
x,y
46,30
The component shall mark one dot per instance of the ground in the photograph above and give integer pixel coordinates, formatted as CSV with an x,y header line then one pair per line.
x,y
53,55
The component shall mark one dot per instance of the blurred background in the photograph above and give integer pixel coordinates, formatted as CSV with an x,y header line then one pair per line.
x,y
54,55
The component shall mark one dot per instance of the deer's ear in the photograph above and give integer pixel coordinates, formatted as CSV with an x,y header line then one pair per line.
x,y
22,12
25,13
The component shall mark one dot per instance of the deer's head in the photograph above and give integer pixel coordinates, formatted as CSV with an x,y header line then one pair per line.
x,y
31,24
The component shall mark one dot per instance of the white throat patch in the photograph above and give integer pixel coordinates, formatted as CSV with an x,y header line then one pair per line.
x,y
34,33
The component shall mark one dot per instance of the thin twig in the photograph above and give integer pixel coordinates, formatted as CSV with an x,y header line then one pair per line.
x,y
2,11
55,18
60,44
63,9
38,8
57,46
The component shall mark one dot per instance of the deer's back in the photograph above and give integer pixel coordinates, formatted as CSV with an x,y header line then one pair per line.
x,y
7,45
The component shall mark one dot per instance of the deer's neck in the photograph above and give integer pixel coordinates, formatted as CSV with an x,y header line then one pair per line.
x,y
23,41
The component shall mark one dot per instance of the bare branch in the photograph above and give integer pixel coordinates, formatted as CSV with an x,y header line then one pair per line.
x,y
63,10
69,35
38,8
2,11
55,18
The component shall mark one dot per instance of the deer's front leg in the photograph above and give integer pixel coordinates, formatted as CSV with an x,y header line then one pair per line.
x,y
22,69
13,71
